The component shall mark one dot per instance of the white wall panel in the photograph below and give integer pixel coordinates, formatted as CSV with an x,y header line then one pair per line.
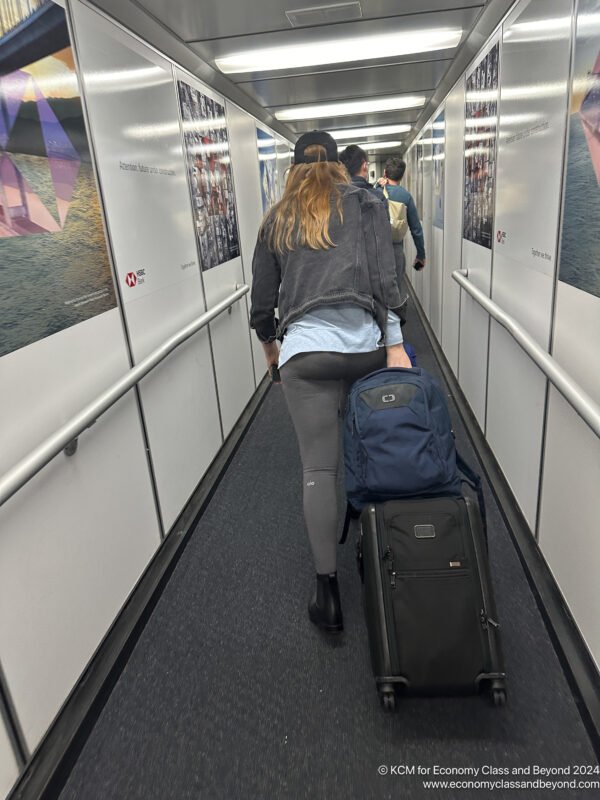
x,y
533,106
436,256
8,766
229,333
231,343
570,508
481,119
178,397
568,530
77,537
435,266
455,122
425,275
134,114
284,162
247,188
515,423
474,330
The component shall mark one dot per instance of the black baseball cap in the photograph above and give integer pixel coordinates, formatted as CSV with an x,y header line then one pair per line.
x,y
315,137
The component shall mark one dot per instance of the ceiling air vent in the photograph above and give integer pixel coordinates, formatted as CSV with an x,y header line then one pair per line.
x,y
323,15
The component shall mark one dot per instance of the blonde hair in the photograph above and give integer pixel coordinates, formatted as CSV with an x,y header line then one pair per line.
x,y
302,215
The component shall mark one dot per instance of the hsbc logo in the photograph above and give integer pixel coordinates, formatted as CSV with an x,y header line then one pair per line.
x,y
133,278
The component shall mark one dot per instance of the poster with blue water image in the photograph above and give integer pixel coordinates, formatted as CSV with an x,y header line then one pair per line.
x,y
54,266
580,248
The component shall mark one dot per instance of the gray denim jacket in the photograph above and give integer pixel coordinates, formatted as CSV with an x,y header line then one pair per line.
x,y
360,269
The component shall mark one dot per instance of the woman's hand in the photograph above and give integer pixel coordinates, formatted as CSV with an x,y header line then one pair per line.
x,y
271,352
272,355
397,356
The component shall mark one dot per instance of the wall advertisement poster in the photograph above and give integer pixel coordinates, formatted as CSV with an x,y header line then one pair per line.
x,y
54,266
481,123
209,167
439,133
267,160
580,256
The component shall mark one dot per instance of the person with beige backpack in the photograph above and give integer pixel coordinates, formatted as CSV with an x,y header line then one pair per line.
x,y
403,216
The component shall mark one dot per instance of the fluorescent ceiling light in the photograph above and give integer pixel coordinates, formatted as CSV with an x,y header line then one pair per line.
x,y
375,130
337,51
351,107
378,145
265,142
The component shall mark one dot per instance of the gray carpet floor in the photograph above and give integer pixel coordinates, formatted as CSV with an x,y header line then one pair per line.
x,y
231,692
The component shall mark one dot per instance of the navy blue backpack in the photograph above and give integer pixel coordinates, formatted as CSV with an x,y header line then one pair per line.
x,y
398,440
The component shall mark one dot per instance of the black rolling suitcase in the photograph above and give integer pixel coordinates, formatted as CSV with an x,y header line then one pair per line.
x,y
428,599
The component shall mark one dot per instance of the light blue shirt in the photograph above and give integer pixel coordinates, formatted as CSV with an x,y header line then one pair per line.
x,y
340,328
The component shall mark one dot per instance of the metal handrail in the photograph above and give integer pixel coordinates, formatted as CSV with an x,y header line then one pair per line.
x,y
579,399
31,464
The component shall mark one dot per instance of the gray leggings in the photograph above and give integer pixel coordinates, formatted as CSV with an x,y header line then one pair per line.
x,y
315,387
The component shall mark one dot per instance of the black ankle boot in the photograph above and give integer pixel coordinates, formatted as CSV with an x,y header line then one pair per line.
x,y
325,609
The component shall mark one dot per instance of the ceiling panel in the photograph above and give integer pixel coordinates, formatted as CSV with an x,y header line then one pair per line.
x,y
369,81
355,121
210,50
210,19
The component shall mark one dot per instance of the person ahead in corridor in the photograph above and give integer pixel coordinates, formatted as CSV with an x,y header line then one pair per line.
x,y
324,258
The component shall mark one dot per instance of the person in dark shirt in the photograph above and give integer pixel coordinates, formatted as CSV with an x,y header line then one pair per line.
x,y
355,160
394,172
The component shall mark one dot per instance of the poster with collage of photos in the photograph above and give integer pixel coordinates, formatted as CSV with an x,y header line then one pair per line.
x,y
211,180
267,160
439,130
481,123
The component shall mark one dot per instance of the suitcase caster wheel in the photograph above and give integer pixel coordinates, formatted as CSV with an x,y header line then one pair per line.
x,y
388,701
499,697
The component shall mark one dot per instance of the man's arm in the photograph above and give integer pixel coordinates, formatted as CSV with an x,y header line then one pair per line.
x,y
416,230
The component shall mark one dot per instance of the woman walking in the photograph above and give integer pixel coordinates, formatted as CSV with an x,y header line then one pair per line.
x,y
324,258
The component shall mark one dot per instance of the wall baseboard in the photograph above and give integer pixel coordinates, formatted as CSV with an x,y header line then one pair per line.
x,y
577,662
46,773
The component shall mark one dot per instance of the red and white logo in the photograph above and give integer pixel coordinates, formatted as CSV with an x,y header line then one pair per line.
x,y
131,279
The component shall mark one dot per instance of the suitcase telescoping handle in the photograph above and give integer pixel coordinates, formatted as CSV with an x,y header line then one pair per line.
x,y
351,513
474,481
